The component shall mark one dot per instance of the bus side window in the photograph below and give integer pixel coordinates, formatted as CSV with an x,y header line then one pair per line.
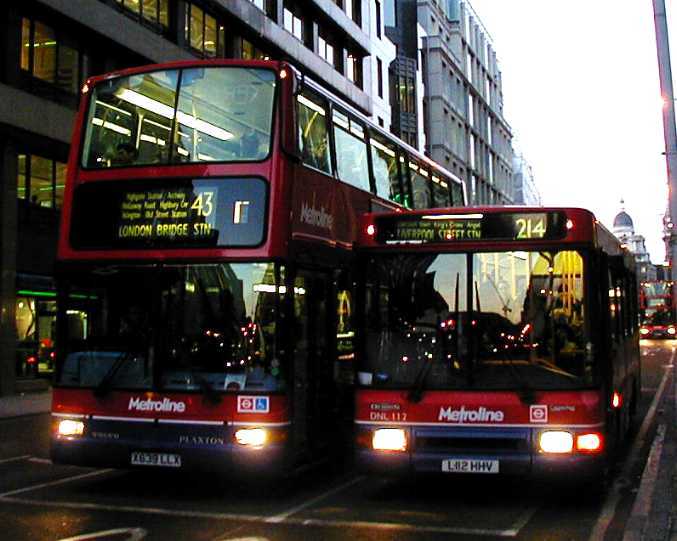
x,y
313,134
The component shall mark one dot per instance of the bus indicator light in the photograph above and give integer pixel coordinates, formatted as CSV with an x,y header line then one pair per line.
x,y
589,443
570,225
371,230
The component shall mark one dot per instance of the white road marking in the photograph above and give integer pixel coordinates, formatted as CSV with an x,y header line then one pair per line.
x,y
281,517
15,459
614,495
54,483
40,460
134,534
513,531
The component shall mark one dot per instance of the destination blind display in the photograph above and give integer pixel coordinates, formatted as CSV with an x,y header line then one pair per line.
x,y
472,227
188,213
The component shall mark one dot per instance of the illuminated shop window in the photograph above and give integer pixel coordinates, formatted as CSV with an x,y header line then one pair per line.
x,y
50,57
152,11
40,180
203,32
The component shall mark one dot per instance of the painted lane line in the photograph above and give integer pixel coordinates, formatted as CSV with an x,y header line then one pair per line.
x,y
133,534
14,459
642,506
54,483
342,524
40,460
614,496
281,517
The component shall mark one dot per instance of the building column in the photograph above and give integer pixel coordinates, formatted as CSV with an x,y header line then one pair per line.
x,y
8,236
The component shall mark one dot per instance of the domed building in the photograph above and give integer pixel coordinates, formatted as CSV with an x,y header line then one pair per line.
x,y
624,229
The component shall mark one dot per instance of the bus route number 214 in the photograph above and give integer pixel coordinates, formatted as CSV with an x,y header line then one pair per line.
x,y
530,227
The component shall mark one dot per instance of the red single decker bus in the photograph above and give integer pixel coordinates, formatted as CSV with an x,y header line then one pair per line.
x,y
494,341
204,282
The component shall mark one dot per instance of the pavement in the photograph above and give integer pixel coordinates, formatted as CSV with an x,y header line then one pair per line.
x,y
654,512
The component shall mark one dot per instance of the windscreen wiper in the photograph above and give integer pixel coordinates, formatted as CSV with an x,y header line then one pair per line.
x,y
104,385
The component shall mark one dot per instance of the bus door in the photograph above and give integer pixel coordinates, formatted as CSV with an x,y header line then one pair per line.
x,y
313,360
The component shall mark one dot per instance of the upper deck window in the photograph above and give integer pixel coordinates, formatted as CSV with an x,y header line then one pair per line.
x,y
224,114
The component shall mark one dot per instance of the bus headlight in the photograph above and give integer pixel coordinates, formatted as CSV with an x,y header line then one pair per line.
x,y
389,439
643,331
251,437
556,441
70,428
671,330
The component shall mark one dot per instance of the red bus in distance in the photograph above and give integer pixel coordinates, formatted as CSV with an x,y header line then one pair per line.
x,y
494,341
656,310
205,287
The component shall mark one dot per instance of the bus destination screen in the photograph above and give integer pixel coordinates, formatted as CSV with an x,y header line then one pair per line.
x,y
443,228
188,213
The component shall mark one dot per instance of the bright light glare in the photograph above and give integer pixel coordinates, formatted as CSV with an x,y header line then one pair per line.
x,y
589,442
556,441
389,439
644,331
254,437
68,427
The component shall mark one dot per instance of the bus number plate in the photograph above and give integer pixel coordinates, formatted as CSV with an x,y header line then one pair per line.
x,y
464,465
156,459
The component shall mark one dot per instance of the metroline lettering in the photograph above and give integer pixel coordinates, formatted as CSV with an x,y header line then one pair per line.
x,y
480,415
165,405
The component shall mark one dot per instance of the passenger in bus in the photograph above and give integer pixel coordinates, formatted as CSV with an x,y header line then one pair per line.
x,y
250,146
125,154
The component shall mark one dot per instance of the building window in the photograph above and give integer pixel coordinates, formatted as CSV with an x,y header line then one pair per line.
x,y
378,18
41,180
48,56
251,52
293,23
267,6
326,49
354,69
155,12
354,11
379,76
203,33
406,91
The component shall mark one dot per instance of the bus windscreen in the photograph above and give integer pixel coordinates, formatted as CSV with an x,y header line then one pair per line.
x,y
216,114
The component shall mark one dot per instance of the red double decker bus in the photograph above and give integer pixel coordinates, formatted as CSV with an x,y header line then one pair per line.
x,y
494,341
656,311
203,265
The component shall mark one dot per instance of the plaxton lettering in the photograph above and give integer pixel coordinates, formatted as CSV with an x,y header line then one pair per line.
x,y
480,415
165,405
318,218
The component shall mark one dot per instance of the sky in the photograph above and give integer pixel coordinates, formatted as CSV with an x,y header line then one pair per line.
x,y
582,96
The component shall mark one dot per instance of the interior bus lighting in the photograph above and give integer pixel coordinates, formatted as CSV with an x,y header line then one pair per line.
x,y
70,428
371,230
389,439
556,441
589,442
251,437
